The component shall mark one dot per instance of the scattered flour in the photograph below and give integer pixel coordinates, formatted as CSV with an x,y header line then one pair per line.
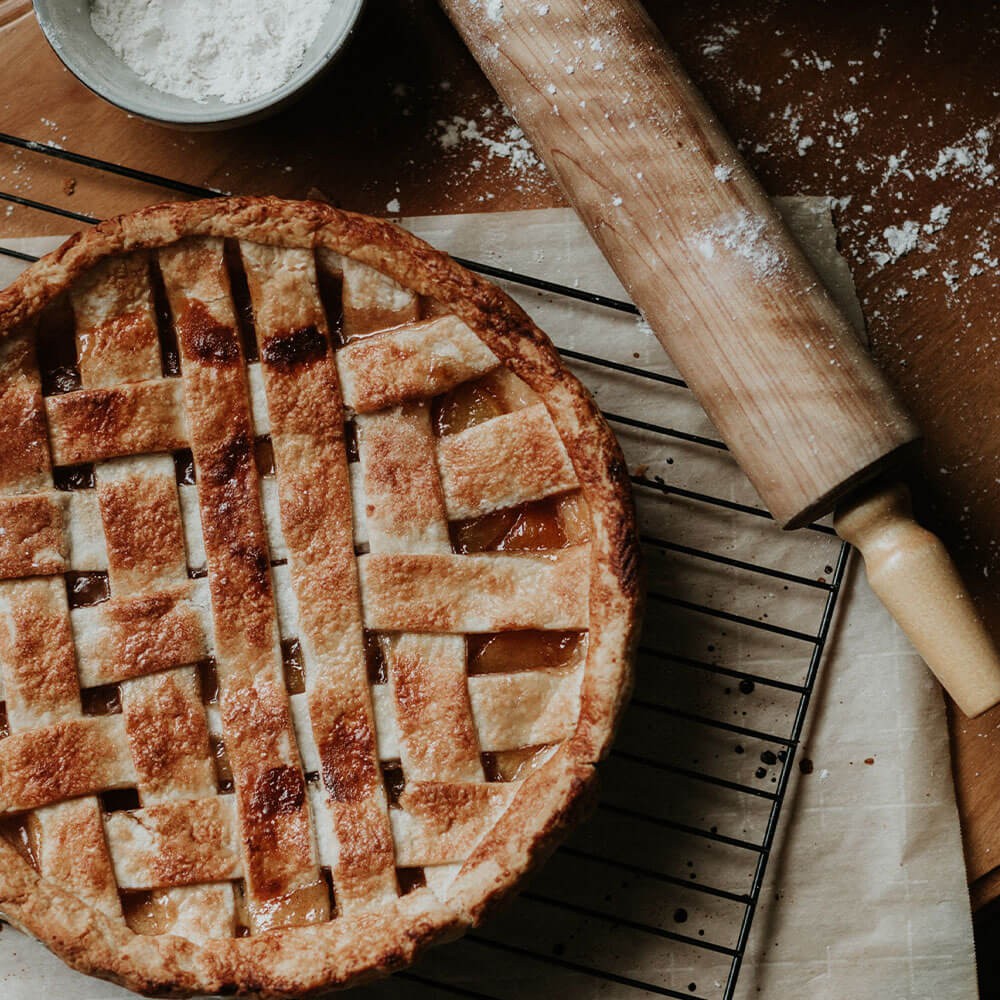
x,y
900,240
234,50
393,207
744,235
972,157
510,144
844,141
494,10
940,214
723,173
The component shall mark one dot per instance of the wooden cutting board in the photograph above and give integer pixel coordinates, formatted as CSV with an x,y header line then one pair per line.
x,y
375,133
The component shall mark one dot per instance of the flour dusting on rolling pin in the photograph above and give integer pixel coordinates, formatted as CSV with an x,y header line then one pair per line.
x,y
234,50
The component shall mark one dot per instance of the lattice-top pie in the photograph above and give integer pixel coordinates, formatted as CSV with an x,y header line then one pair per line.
x,y
318,588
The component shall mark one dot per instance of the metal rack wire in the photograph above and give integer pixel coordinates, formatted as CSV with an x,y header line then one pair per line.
x,y
679,763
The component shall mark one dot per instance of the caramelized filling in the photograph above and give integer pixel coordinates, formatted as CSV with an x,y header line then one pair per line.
x,y
242,912
184,467
513,765
73,477
291,659
331,294
170,355
465,406
552,523
22,833
86,589
481,534
120,800
59,380
530,528
351,440
378,672
327,875
509,652
223,772
303,905
4,722
574,518
197,573
410,879
56,339
208,677
148,911
392,776
264,455
241,300
103,700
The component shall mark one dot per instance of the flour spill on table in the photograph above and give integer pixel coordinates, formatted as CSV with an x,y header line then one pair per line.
x,y
498,138
835,139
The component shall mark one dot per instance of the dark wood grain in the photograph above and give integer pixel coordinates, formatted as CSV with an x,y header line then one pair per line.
x,y
919,76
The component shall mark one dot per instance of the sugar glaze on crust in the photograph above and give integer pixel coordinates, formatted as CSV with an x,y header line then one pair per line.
x,y
359,943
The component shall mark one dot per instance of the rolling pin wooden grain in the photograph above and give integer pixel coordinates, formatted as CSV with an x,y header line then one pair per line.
x,y
725,288
11,10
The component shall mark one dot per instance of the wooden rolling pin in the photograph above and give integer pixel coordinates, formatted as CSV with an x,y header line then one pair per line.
x,y
11,10
725,288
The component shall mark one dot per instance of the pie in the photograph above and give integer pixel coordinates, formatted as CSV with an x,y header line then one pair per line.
x,y
319,588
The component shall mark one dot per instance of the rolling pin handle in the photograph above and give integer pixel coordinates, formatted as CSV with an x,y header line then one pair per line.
x,y
910,570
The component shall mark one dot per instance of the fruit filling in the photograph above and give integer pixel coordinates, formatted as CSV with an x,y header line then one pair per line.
x,y
552,523
291,658
103,700
510,652
223,771
85,589
514,765
148,911
22,833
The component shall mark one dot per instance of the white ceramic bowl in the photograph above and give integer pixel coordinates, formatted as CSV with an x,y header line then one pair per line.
x,y
67,27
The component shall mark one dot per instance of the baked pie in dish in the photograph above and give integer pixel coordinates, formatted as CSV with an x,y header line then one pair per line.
x,y
318,589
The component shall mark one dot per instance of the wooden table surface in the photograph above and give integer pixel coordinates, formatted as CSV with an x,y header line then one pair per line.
x,y
893,107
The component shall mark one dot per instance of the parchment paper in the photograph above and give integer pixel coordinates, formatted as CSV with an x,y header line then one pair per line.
x,y
865,895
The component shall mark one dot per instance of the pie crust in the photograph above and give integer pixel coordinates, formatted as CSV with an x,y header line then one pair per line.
x,y
266,553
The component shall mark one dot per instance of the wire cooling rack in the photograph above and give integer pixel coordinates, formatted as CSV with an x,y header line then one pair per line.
x,y
657,893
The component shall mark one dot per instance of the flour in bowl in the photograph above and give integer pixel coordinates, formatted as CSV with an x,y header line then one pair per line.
x,y
234,50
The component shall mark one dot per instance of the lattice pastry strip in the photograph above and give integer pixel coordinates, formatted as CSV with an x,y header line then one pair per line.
x,y
476,593
38,667
164,718
117,339
509,460
32,542
283,882
26,465
405,513
150,624
528,708
133,419
413,362
314,492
